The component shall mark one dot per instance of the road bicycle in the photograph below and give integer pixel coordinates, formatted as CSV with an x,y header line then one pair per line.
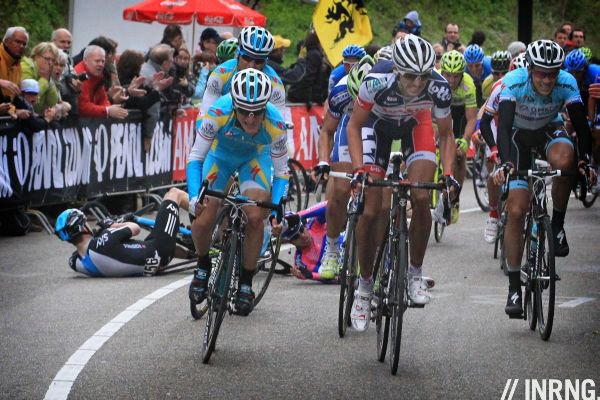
x,y
392,279
539,274
499,247
479,174
435,196
223,284
299,186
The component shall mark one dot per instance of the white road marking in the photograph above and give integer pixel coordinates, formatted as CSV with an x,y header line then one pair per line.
x,y
63,381
575,302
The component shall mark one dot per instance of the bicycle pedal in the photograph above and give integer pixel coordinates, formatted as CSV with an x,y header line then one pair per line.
x,y
516,316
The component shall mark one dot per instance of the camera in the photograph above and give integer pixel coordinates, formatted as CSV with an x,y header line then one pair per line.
x,y
82,77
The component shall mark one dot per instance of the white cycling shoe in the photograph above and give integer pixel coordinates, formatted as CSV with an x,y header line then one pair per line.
x,y
417,291
361,311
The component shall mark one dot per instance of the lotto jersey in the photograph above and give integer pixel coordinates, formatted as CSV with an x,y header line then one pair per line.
x,y
219,84
379,93
534,111
339,101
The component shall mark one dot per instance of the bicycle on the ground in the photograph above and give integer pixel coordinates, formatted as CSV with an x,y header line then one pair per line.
x,y
223,283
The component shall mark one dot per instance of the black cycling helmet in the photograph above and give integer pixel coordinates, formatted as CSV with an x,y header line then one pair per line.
x,y
294,226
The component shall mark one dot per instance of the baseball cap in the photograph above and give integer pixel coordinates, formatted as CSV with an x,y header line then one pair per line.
x,y
30,86
280,42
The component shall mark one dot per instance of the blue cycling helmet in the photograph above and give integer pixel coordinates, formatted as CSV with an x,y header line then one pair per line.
x,y
70,224
354,51
575,61
294,226
255,42
474,54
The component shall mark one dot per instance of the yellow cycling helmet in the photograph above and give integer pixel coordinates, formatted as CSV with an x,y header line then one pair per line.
x,y
453,62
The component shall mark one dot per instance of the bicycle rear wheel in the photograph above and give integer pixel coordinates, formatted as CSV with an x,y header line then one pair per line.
x,y
298,187
348,277
545,277
480,174
265,270
529,306
382,316
438,231
398,296
218,296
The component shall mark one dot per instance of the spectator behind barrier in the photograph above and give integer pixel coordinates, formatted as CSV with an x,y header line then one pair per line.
x,y
312,88
39,67
184,82
93,101
451,39
31,121
62,107
69,84
288,75
11,50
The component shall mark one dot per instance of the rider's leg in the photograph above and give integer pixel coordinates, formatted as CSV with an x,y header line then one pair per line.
x,y
560,155
420,171
516,205
491,224
254,228
178,196
368,228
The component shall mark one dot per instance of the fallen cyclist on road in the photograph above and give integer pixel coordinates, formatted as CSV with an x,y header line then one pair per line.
x,y
307,230
111,251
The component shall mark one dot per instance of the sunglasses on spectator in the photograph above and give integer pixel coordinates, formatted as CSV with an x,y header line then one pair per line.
x,y
545,74
247,113
413,77
257,61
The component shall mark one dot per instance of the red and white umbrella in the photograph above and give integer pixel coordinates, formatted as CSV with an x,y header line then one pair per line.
x,y
206,12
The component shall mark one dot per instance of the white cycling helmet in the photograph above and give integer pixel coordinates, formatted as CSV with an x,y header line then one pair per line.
x,y
545,54
255,42
384,53
250,89
413,54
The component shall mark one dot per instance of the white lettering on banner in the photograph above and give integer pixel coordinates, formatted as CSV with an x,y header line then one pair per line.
x,y
100,150
125,150
84,170
308,138
21,158
184,137
117,158
55,160
5,189
158,159
552,389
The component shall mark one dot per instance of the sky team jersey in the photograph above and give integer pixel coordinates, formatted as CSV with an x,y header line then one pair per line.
x,y
334,77
340,102
464,94
534,111
219,84
379,94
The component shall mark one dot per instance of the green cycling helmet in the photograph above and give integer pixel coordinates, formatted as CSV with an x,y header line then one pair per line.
x,y
227,49
587,52
453,62
357,74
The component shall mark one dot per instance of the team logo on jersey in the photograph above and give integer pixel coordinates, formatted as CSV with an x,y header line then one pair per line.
x,y
280,125
228,134
254,171
374,85
211,178
221,70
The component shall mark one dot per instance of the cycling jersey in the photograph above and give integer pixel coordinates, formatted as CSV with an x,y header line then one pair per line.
x,y
464,94
534,111
219,83
308,259
486,86
222,147
394,116
112,252
340,105
338,73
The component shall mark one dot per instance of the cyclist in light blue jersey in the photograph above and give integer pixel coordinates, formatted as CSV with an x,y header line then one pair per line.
x,y
254,45
529,103
241,132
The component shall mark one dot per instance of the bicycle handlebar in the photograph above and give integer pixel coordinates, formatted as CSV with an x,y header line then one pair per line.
x,y
392,183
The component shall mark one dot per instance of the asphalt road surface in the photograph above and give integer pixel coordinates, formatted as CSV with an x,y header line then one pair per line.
x,y
67,335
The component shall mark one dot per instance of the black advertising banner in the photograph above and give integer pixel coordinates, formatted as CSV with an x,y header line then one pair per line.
x,y
95,156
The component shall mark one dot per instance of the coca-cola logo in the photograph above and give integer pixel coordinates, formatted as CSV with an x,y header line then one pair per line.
x,y
173,3
165,16
213,20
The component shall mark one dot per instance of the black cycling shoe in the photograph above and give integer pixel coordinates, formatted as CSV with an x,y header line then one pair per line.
x,y
561,247
245,303
199,286
514,303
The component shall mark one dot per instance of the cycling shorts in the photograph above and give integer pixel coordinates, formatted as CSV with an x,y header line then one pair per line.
x,y
523,141
418,141
162,238
254,172
340,152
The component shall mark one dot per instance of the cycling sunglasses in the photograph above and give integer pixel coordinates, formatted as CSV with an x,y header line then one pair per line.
x,y
257,61
544,74
248,113
413,77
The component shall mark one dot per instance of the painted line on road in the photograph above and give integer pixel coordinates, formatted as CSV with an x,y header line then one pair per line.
x,y
63,381
574,303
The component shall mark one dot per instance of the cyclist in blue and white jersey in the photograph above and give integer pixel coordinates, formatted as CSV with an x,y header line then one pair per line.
x,y
479,66
254,46
396,101
242,132
350,56
528,108
340,105
111,251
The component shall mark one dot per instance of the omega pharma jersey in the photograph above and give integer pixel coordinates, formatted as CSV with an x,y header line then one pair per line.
x,y
379,93
534,111
340,101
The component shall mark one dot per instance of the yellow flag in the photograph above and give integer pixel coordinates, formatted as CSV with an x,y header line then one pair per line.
x,y
339,23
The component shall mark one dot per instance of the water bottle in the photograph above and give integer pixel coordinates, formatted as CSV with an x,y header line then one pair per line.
x,y
533,244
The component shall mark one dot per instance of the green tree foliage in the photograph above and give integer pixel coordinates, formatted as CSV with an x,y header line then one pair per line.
x,y
39,17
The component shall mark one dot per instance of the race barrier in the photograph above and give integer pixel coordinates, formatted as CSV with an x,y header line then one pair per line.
x,y
90,157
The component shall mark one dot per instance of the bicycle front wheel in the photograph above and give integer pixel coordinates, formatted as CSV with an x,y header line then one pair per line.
x,y
545,278
347,277
398,296
218,296
382,316
438,231
480,174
